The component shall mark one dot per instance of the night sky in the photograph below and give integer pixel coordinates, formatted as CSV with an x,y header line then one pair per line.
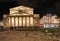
x,y
40,6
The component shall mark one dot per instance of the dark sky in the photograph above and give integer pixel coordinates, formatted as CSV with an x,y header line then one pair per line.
x,y
40,6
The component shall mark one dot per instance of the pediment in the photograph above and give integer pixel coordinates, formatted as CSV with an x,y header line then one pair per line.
x,y
21,9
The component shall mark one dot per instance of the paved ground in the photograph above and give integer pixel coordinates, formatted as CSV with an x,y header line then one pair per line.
x,y
14,35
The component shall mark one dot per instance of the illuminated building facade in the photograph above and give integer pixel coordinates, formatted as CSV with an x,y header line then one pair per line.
x,y
49,21
21,16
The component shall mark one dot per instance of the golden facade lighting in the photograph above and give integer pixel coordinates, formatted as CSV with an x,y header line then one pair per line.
x,y
24,9
21,19
31,21
16,21
27,20
24,21
13,21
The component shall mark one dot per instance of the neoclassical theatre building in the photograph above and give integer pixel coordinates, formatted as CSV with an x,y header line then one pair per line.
x,y
21,16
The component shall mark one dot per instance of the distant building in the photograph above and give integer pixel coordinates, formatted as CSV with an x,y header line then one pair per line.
x,y
58,21
21,16
49,20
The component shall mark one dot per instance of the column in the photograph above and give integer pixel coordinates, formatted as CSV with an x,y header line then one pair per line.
x,y
27,21
11,21
24,21
31,21
14,21
20,21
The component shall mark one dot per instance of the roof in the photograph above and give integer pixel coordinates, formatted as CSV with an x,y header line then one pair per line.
x,y
20,7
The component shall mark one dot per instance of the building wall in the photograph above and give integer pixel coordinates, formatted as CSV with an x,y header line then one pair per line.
x,y
21,16
21,21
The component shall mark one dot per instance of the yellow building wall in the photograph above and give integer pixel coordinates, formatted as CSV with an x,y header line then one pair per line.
x,y
21,21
